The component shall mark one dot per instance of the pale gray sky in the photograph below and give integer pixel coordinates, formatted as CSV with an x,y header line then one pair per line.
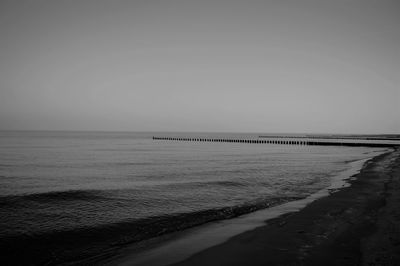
x,y
206,65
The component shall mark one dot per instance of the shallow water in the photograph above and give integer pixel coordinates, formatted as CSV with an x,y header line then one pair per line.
x,y
178,247
126,187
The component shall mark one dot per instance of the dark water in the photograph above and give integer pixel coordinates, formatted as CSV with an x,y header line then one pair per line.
x,y
70,195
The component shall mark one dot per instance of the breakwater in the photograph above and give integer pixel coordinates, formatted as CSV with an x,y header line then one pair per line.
x,y
332,137
280,141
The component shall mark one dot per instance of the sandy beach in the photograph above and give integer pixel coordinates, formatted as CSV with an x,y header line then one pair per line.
x,y
214,132
290,229
358,225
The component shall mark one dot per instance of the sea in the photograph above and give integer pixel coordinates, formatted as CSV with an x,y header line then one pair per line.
x,y
67,196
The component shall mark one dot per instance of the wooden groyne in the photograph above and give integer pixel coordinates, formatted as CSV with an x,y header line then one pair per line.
x,y
280,141
330,137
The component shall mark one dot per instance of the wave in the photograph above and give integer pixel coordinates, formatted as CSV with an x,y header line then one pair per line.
x,y
92,195
200,184
71,196
54,196
90,241
227,183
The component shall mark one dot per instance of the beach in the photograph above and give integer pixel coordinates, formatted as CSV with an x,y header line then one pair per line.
x,y
357,225
215,132
125,199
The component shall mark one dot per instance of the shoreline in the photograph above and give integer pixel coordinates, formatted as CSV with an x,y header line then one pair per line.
x,y
357,225
180,246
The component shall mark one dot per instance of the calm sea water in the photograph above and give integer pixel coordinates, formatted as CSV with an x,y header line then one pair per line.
x,y
94,190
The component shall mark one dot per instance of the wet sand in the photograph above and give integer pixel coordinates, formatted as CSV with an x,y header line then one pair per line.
x,y
357,225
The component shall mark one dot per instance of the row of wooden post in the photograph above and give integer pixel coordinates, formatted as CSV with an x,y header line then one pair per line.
x,y
254,141
275,141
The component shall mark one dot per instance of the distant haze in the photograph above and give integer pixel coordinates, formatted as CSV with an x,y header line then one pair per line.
x,y
206,65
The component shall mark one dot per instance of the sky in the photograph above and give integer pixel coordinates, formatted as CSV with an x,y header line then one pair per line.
x,y
276,66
